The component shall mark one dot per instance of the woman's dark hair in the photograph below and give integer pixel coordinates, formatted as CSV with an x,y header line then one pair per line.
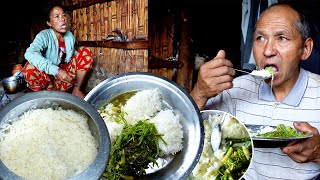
x,y
49,9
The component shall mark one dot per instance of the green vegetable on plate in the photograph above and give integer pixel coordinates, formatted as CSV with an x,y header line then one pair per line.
x,y
282,131
236,160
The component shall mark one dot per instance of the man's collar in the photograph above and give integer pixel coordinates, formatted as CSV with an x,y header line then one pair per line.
x,y
295,95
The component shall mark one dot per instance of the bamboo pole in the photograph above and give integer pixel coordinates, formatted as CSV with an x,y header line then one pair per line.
x,y
84,19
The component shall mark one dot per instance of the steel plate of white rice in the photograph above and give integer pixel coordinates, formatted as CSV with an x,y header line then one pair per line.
x,y
165,104
148,104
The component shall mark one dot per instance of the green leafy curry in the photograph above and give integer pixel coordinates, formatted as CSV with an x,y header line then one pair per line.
x,y
134,148
282,131
236,160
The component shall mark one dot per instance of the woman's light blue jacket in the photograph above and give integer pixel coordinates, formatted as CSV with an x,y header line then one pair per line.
x,y
43,52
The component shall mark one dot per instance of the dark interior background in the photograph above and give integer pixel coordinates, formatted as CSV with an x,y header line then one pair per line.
x,y
214,25
209,22
17,20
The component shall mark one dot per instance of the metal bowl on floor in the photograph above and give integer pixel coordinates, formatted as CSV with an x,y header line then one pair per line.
x,y
180,165
13,84
48,99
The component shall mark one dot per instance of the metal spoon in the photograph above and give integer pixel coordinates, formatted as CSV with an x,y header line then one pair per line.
x,y
256,74
216,135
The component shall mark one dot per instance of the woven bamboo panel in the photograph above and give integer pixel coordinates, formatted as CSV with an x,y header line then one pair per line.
x,y
80,26
117,61
99,20
68,2
109,62
95,22
97,17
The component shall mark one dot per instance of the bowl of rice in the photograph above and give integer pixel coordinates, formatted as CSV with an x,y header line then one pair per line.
x,y
52,135
161,119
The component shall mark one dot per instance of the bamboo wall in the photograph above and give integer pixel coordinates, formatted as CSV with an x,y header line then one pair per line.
x,y
117,61
96,22
99,20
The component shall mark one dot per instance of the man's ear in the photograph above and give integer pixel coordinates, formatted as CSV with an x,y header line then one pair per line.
x,y
307,49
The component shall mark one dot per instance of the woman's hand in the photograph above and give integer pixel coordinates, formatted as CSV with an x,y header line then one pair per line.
x,y
64,76
214,77
305,151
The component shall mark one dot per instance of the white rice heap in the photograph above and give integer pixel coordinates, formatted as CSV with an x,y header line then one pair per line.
x,y
209,162
261,130
167,123
147,104
262,73
48,144
114,128
233,129
265,129
143,105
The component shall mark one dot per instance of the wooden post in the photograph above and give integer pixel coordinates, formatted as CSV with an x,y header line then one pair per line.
x,y
184,75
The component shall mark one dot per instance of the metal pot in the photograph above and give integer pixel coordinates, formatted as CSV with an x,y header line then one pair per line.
x,y
177,166
13,84
46,99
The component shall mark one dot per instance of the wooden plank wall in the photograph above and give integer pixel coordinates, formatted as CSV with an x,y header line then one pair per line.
x,y
161,39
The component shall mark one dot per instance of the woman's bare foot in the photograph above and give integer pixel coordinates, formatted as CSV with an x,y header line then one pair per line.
x,y
77,92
